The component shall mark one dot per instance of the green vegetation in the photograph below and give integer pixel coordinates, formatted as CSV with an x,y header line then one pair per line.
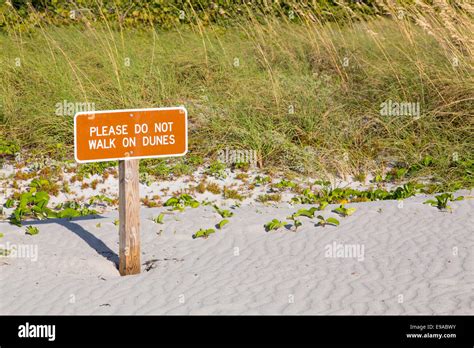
x,y
441,201
203,233
278,79
181,201
329,221
102,199
31,230
88,169
217,170
297,223
261,180
322,205
343,211
285,184
159,219
4,252
9,203
157,168
223,212
243,166
213,188
269,197
232,194
326,195
34,204
31,204
275,224
172,13
45,185
309,213
8,147
72,209
222,223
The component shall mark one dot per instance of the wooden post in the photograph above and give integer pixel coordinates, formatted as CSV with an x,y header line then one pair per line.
x,y
129,215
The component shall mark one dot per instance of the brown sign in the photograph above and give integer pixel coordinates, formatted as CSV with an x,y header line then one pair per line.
x,y
124,134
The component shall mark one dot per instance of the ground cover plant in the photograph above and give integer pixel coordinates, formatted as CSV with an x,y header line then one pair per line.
x,y
441,201
181,201
274,225
31,230
329,221
34,204
343,211
225,213
202,233
159,219
222,223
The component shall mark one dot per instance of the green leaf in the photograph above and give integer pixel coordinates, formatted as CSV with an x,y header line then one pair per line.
x,y
31,230
222,212
297,223
305,212
427,160
274,225
9,203
50,214
159,218
68,213
203,233
350,211
222,223
332,221
322,205
25,198
171,202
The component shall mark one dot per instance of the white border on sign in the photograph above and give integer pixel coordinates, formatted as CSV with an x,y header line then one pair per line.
x,y
131,110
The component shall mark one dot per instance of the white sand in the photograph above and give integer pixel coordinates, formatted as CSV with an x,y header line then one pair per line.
x,y
417,260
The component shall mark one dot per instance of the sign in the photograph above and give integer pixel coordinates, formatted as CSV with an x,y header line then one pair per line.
x,y
126,134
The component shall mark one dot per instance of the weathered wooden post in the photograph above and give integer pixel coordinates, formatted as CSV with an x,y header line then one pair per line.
x,y
129,216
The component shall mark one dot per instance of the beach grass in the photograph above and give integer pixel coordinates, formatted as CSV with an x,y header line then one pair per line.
x,y
306,96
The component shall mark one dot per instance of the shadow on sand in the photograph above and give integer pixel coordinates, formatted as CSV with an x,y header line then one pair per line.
x,y
100,247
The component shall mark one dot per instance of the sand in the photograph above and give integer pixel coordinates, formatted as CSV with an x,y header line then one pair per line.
x,y
412,259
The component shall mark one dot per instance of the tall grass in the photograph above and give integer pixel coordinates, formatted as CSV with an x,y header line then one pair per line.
x,y
307,95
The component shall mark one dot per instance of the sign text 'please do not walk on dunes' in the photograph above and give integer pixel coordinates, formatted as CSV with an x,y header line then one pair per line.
x,y
125,134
